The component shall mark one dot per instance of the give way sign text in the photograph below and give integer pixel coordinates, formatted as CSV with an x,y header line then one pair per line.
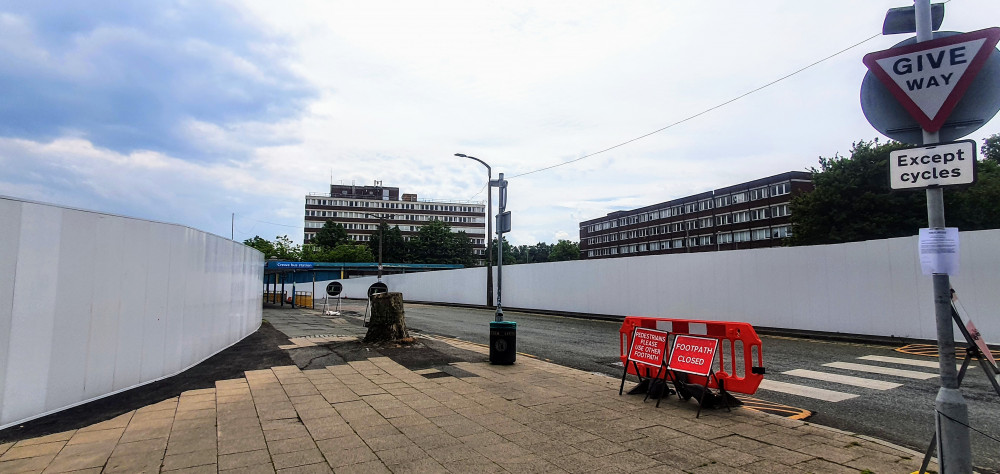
x,y
929,78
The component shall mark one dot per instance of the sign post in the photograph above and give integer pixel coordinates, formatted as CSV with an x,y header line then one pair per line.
x,y
503,226
928,79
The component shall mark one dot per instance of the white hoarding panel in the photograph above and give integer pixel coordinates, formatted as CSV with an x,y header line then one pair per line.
x,y
105,308
96,304
33,315
74,284
132,299
10,237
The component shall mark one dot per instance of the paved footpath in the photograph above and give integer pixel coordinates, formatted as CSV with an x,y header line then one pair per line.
x,y
377,416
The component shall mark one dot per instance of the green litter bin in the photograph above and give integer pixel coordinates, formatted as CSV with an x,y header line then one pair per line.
x,y
503,342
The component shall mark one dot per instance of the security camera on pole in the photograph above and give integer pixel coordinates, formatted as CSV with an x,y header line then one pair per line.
x,y
913,93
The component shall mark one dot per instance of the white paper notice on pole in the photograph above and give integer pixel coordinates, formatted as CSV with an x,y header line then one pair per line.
x,y
939,251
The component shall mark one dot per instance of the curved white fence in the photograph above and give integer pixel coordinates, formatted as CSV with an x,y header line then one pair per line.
x,y
92,304
869,288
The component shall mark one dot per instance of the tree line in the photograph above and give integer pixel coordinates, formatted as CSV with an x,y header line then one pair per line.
x,y
434,243
852,201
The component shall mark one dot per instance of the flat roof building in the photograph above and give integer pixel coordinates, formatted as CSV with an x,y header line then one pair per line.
x,y
357,208
754,214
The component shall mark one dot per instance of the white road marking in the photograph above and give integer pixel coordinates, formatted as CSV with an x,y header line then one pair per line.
x,y
804,391
931,364
844,379
874,369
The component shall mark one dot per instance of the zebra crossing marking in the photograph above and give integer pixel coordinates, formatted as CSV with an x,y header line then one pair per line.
x,y
843,379
900,360
806,391
875,369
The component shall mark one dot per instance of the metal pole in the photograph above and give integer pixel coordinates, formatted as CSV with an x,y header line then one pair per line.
x,y
489,227
489,236
951,417
380,239
501,189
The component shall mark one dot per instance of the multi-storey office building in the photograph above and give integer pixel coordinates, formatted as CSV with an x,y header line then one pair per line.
x,y
748,215
359,208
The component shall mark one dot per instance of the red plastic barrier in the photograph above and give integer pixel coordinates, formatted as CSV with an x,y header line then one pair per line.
x,y
739,360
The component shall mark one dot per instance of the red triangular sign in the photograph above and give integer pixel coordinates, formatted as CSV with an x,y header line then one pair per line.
x,y
929,78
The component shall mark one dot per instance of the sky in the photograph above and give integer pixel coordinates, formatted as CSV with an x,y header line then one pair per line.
x,y
193,112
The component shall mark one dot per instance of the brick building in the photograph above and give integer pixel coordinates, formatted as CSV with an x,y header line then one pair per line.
x,y
748,215
357,208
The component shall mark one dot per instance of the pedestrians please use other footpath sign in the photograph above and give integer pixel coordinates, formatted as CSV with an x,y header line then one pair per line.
x,y
648,346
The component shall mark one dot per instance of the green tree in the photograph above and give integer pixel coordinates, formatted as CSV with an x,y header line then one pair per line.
x,y
436,243
991,148
283,248
852,200
564,250
344,253
331,235
265,246
539,252
394,249
510,254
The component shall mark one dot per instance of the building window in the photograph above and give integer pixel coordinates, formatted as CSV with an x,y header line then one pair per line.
x,y
780,210
780,189
780,232
705,240
761,213
741,236
739,197
721,201
723,219
742,216
725,238
704,222
758,193
760,234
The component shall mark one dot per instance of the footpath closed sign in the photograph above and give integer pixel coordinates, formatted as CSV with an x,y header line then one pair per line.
x,y
648,346
946,164
693,354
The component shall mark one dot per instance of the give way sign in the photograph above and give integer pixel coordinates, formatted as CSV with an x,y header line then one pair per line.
x,y
929,78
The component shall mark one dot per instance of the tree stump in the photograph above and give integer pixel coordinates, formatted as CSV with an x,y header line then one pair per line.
x,y
388,320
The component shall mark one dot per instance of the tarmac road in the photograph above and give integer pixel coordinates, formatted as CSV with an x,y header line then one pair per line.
x,y
902,414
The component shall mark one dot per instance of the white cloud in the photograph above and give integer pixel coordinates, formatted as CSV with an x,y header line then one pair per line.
x,y
402,86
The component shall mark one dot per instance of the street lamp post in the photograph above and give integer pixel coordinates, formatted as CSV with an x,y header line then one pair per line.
x,y
489,227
